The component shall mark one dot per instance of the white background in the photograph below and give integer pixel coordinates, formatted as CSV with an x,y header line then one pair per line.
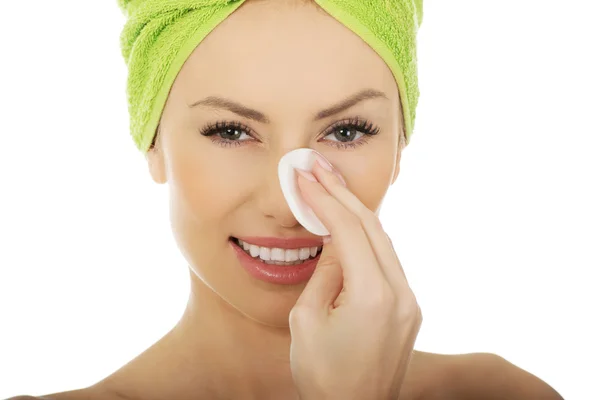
x,y
495,214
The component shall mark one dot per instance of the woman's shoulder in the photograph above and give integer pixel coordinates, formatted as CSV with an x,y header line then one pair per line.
x,y
29,398
90,393
25,398
430,376
37,398
481,375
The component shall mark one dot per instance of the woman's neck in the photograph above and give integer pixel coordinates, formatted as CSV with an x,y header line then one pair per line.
x,y
214,351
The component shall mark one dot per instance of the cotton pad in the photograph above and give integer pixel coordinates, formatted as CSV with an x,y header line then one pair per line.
x,y
303,159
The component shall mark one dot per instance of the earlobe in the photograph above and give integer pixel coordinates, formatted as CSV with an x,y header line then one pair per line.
x,y
156,165
396,170
401,146
397,166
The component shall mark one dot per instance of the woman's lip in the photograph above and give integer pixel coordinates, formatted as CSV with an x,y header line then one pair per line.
x,y
281,243
277,274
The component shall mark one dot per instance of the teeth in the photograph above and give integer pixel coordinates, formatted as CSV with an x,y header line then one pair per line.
x,y
265,253
283,263
291,255
304,253
280,256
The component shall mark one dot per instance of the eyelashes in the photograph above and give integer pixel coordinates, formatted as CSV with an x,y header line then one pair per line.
x,y
234,133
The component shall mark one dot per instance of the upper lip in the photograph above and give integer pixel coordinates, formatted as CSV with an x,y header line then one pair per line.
x,y
282,243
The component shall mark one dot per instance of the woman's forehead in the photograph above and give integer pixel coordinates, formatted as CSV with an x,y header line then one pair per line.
x,y
295,46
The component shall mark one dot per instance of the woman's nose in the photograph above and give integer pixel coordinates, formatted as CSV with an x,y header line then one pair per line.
x,y
271,200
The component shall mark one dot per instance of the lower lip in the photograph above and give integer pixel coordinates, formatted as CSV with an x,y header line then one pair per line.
x,y
277,274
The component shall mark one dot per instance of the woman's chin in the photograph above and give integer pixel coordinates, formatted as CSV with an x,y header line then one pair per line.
x,y
262,302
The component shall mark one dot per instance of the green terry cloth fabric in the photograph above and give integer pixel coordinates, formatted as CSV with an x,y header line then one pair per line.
x,y
159,36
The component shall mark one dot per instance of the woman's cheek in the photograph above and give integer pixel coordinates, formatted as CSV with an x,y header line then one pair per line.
x,y
218,181
369,179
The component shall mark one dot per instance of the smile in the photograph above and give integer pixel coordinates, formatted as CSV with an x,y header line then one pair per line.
x,y
279,256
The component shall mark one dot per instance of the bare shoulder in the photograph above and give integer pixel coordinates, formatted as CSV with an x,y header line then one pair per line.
x,y
426,377
28,398
90,393
25,398
72,395
486,376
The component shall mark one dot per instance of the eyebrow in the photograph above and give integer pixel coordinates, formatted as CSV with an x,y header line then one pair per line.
x,y
249,113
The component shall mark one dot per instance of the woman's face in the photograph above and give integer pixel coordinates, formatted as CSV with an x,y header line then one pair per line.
x,y
288,61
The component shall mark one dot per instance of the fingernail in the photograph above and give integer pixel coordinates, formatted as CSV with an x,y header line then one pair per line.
x,y
306,175
340,177
323,163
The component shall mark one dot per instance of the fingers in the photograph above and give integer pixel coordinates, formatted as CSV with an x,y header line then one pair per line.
x,y
378,239
396,255
323,287
359,264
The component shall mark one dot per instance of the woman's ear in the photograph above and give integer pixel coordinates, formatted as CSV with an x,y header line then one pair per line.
x,y
396,169
401,145
156,162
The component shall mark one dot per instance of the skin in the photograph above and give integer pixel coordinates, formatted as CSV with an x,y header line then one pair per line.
x,y
235,329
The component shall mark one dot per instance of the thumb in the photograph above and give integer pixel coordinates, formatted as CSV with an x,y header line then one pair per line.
x,y
324,285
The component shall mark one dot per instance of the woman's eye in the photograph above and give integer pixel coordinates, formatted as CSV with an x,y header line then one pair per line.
x,y
233,134
346,134
227,134
351,133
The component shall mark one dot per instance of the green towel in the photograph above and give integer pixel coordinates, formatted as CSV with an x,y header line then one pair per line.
x,y
159,35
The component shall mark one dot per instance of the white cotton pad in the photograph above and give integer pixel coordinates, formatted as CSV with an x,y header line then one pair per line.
x,y
303,159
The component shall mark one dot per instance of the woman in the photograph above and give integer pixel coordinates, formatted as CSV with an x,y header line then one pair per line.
x,y
249,93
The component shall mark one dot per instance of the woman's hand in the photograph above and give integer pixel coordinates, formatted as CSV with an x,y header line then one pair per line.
x,y
355,324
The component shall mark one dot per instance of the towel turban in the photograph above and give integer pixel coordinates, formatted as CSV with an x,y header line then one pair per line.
x,y
159,35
